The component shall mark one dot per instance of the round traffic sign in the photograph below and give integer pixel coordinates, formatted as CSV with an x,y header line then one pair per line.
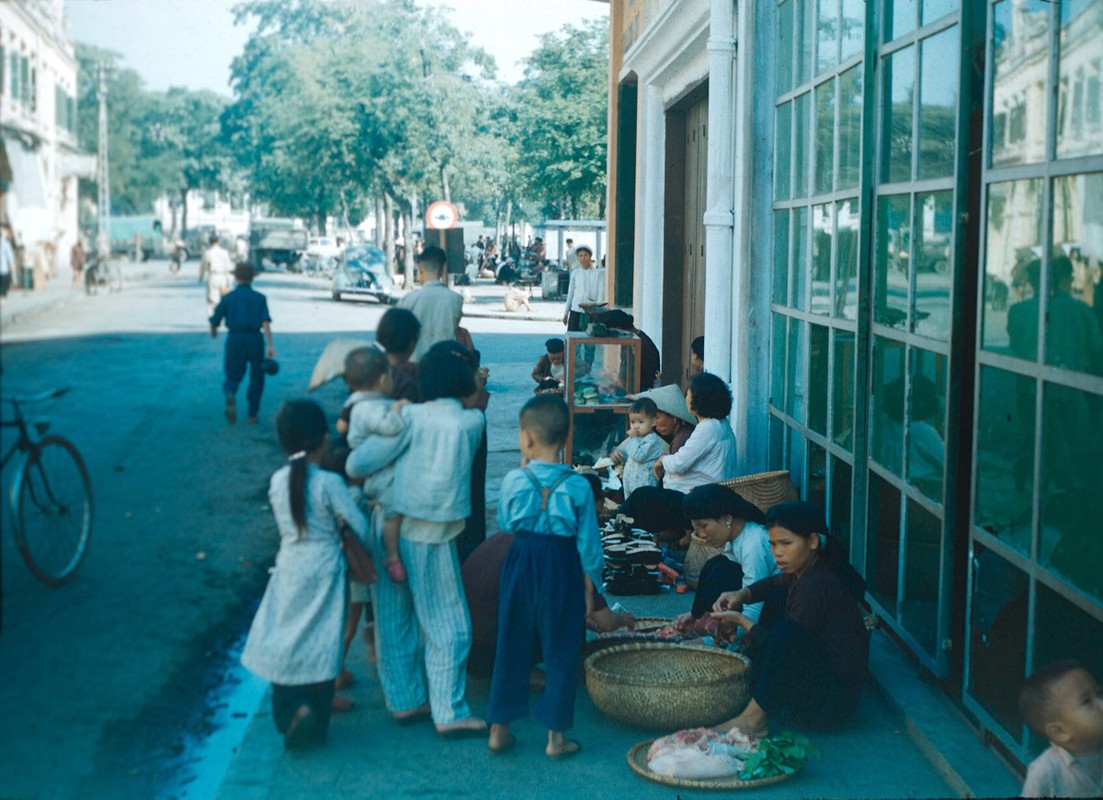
x,y
441,215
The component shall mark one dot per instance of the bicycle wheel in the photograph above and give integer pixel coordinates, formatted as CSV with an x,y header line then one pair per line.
x,y
52,499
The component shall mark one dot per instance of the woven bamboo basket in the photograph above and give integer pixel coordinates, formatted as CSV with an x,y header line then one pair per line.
x,y
668,686
764,489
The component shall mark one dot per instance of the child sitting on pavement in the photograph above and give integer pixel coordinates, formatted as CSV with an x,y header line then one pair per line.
x,y
370,410
550,371
1063,703
547,580
641,449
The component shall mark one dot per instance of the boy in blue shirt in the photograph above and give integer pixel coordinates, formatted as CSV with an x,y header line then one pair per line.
x,y
547,580
246,315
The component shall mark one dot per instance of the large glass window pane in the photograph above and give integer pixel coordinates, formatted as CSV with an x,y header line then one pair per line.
x,y
1013,239
1062,630
823,230
801,247
934,264
818,378
778,431
1074,328
898,93
927,423
936,9
827,34
887,389
817,477
846,259
1079,124
777,360
794,372
802,107
784,47
997,637
938,103
899,18
850,127
804,38
781,257
842,391
890,285
883,541
1005,457
842,476
1020,70
825,137
853,27
783,151
919,612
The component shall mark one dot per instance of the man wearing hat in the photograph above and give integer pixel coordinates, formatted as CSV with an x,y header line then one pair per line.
x,y
550,371
587,286
246,315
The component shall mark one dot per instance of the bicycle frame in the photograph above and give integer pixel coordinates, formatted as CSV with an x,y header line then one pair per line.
x,y
25,442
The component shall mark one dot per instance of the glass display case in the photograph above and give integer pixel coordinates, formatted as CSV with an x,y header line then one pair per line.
x,y
601,373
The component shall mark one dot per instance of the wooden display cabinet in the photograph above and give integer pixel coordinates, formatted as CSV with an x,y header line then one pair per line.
x,y
601,373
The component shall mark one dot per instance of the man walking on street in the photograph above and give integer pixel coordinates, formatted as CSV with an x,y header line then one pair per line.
x,y
216,268
77,259
436,307
246,315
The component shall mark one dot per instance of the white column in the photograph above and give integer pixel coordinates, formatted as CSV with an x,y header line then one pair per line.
x,y
650,187
719,218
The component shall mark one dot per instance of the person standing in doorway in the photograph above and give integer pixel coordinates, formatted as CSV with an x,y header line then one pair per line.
x,y
436,307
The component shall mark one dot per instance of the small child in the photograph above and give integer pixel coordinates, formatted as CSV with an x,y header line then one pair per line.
x,y
371,411
550,371
295,638
1063,703
547,580
641,449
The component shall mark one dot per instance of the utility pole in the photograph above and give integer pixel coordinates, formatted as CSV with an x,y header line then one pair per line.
x,y
103,185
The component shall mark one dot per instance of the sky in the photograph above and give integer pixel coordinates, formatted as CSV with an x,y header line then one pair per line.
x,y
191,43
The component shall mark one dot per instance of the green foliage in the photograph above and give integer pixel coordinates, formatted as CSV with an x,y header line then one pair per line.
x,y
778,755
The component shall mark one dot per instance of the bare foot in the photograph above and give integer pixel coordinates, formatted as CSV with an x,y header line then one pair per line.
x,y
559,746
463,728
501,739
751,721
412,715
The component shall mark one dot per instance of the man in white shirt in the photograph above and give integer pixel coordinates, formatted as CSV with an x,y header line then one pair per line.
x,y
570,261
218,269
436,307
587,287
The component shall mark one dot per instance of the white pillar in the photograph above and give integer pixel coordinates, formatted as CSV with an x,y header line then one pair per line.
x,y
650,187
720,218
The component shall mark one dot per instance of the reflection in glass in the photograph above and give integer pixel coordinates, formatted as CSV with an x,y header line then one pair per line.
x,y
800,258
919,611
825,136
933,264
883,541
853,26
602,374
936,9
781,257
842,388
777,361
846,259
778,432
1013,239
899,88
823,225
1074,328
1017,130
938,103
1005,457
594,435
927,423
782,155
827,34
890,285
803,42
784,47
818,378
842,475
794,372
997,637
850,127
887,389
1061,630
802,107
817,478
899,18
1079,106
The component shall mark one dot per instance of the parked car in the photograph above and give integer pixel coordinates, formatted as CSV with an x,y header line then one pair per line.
x,y
363,271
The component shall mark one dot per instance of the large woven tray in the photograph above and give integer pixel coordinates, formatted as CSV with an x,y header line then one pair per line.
x,y
637,760
668,687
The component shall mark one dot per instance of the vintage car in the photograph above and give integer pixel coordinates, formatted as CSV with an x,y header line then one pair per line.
x,y
363,271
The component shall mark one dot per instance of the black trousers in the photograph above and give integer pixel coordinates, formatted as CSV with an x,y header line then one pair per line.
x,y
286,700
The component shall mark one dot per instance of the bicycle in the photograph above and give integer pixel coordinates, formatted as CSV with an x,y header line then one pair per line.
x,y
51,495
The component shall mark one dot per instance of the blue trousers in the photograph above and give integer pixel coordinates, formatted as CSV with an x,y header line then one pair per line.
x,y
541,598
245,349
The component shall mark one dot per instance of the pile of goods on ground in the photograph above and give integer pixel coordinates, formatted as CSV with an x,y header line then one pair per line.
x,y
632,560
701,753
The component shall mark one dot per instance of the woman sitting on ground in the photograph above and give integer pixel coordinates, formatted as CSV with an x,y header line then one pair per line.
x,y
708,456
812,662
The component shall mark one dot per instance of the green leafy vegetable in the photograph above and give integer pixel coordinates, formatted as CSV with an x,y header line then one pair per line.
x,y
778,755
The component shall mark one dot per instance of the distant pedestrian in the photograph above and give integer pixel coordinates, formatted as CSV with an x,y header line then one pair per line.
x,y
436,307
246,315
296,636
217,268
77,260
570,261
7,260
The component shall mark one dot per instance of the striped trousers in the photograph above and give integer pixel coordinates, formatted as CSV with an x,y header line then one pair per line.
x,y
422,629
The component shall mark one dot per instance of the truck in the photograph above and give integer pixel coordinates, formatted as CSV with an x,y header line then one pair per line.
x,y
138,235
277,241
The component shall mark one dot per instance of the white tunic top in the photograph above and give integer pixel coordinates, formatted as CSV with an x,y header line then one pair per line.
x,y
586,286
708,456
297,633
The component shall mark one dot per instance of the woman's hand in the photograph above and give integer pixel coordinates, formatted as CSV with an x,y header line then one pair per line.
x,y
658,469
684,622
728,618
731,601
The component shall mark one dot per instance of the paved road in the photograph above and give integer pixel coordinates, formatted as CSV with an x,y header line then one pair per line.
x,y
104,679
